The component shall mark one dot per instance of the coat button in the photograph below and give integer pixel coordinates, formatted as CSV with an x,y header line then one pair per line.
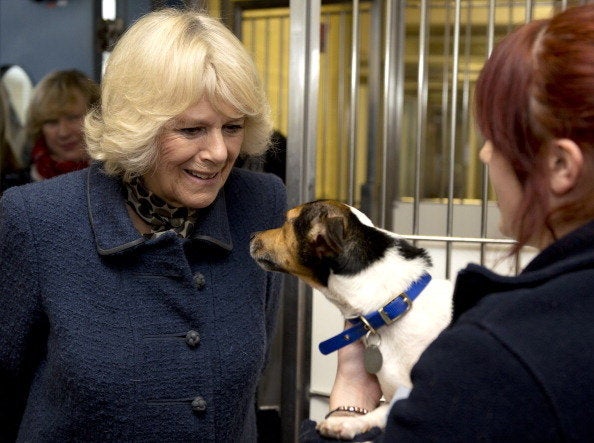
x,y
192,338
199,281
198,405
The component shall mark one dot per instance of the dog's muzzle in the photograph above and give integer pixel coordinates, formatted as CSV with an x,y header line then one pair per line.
x,y
264,259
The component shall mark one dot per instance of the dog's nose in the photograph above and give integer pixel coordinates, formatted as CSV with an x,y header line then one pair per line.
x,y
255,245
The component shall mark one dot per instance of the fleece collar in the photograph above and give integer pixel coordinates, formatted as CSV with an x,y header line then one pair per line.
x,y
114,231
573,252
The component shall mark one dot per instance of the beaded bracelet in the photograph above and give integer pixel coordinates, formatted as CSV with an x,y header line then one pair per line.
x,y
355,409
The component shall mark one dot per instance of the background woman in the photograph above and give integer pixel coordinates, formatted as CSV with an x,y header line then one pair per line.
x,y
55,123
131,308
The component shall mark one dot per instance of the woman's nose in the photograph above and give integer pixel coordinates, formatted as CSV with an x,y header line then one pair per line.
x,y
65,128
486,152
216,148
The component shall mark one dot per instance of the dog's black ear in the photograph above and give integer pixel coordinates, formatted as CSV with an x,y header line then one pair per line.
x,y
327,236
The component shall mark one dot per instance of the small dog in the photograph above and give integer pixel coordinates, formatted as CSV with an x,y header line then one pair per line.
x,y
371,275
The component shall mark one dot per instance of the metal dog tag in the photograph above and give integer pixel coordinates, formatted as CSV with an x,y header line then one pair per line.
x,y
372,356
372,359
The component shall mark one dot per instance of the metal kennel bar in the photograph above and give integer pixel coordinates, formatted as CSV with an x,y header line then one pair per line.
x,y
303,82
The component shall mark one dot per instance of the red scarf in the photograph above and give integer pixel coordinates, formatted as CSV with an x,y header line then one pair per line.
x,y
47,167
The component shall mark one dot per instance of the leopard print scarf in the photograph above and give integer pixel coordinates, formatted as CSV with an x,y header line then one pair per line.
x,y
160,216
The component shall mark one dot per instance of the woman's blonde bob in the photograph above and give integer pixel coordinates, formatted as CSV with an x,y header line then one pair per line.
x,y
164,63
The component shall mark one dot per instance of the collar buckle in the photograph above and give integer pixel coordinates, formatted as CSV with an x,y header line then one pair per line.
x,y
384,315
368,327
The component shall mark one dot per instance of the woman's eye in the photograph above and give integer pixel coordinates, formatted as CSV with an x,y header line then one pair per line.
x,y
233,129
74,117
192,130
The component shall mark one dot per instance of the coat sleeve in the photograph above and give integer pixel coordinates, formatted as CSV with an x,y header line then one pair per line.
x,y
23,328
468,386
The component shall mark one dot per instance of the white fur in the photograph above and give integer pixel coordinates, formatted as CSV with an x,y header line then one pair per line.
x,y
402,342
362,217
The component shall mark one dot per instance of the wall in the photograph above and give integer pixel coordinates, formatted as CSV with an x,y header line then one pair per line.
x,y
130,10
41,38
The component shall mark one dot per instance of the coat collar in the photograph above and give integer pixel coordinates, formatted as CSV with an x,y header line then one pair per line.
x,y
114,231
572,252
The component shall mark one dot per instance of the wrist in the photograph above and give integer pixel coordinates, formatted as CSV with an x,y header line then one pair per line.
x,y
362,391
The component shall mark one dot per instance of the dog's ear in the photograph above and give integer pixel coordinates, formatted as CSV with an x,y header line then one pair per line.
x,y
327,236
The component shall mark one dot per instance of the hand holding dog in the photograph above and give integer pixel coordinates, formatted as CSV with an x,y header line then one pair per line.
x,y
353,385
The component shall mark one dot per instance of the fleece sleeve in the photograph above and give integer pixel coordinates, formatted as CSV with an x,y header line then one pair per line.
x,y
22,324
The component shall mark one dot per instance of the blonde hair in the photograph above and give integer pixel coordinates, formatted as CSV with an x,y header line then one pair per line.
x,y
164,63
55,94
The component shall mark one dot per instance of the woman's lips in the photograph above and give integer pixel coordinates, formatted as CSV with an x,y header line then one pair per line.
x,y
202,175
70,146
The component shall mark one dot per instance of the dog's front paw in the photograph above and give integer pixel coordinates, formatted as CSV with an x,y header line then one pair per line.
x,y
344,428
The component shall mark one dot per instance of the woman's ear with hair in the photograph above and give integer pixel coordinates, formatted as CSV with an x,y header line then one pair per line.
x,y
565,164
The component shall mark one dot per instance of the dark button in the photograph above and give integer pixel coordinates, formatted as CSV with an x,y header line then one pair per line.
x,y
198,405
192,338
199,281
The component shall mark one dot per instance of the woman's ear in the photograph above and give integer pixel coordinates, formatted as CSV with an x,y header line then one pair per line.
x,y
565,163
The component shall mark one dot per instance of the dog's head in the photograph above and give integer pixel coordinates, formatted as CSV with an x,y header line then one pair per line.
x,y
321,238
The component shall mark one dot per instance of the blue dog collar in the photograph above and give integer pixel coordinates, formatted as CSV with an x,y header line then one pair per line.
x,y
383,316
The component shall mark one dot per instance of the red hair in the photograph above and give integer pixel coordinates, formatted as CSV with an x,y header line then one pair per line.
x,y
538,85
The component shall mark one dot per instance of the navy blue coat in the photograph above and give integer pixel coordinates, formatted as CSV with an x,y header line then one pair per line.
x,y
517,363
108,336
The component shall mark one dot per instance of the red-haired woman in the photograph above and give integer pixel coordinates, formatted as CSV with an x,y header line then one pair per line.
x,y
516,364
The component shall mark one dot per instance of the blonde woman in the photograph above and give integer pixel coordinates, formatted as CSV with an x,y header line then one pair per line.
x,y
55,123
132,310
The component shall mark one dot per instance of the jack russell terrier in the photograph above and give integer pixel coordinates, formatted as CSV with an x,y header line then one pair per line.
x,y
379,282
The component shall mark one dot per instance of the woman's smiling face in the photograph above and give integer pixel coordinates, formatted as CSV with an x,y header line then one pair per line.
x,y
63,133
197,151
